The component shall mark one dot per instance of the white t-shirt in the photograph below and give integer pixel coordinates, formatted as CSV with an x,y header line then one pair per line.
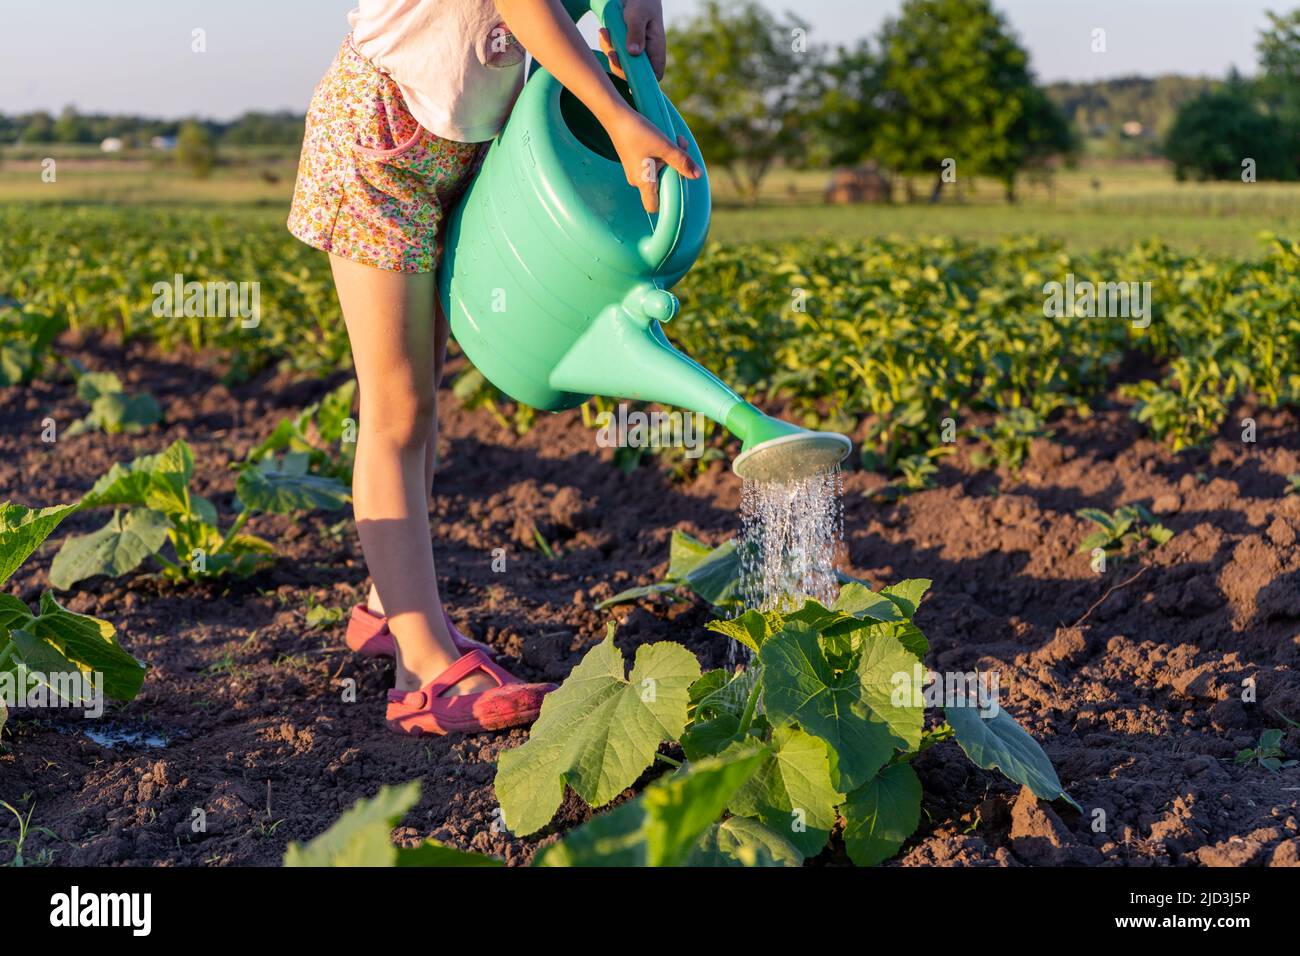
x,y
455,61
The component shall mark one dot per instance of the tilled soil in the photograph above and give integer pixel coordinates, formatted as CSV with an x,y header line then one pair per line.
x,y
1133,678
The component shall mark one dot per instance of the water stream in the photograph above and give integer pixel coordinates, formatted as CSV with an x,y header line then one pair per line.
x,y
790,531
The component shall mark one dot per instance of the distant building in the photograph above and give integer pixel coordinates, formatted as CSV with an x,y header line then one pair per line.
x,y
111,145
163,142
861,184
1132,129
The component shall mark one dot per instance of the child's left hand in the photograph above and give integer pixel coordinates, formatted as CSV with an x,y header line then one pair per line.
x,y
645,32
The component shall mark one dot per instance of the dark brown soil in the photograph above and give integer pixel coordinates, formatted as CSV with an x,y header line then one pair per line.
x,y
1133,684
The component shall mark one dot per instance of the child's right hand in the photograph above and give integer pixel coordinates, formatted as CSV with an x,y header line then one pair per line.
x,y
642,150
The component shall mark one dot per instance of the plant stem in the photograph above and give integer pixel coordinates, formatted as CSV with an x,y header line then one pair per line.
x,y
7,653
668,760
239,522
751,704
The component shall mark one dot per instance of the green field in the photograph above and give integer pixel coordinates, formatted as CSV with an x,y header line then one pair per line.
x,y
1093,207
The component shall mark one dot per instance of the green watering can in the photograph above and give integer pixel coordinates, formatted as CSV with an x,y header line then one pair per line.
x,y
555,279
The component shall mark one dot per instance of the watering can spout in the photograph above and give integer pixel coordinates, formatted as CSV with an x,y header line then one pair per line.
x,y
624,352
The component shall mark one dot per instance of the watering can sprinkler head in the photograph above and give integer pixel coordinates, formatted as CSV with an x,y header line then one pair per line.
x,y
775,450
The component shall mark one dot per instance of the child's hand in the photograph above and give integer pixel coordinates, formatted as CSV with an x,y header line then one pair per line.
x,y
642,150
645,31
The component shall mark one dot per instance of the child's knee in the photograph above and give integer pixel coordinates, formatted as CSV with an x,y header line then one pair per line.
x,y
405,419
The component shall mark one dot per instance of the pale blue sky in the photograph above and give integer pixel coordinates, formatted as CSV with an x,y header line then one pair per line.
x,y
134,56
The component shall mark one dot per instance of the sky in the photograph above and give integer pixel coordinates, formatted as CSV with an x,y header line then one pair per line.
x,y
135,56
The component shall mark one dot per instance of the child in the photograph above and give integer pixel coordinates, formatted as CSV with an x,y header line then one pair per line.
x,y
394,132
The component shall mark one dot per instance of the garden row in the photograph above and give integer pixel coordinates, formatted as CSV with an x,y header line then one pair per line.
x,y
883,340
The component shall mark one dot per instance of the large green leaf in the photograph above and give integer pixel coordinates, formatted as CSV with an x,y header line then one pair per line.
x,y
91,644
997,742
663,824
46,665
284,486
120,546
791,791
880,815
22,530
742,841
907,595
853,710
751,628
598,732
858,600
362,836
160,482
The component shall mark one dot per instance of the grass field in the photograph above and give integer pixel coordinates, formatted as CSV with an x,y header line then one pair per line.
x,y
1089,208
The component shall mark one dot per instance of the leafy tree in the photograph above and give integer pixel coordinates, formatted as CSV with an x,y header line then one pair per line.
x,y
195,148
845,116
1279,60
956,84
741,78
1214,133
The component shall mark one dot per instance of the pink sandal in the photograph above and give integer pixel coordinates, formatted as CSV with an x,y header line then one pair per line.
x,y
368,634
512,703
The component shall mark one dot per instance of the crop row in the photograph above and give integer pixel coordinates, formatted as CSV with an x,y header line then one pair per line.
x,y
884,339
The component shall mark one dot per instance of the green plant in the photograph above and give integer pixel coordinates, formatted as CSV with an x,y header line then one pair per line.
x,y
53,642
24,828
1130,524
324,431
321,616
832,709
1010,438
26,336
360,837
112,409
1267,753
160,508
1292,484
710,573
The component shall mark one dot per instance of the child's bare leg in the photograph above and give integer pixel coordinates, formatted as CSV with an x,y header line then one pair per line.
x,y
441,333
392,337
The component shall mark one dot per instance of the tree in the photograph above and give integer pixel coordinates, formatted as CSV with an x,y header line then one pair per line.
x,y
956,85
195,148
845,116
1279,60
740,79
1215,132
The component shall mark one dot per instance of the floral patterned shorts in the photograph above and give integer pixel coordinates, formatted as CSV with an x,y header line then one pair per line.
x,y
373,185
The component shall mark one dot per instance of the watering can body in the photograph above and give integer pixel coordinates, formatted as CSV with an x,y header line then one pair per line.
x,y
554,278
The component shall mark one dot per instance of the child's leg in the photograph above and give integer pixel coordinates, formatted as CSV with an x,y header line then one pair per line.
x,y
441,333
390,326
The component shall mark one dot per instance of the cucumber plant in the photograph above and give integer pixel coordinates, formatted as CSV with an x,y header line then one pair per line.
x,y
1127,525
324,431
112,409
153,506
831,711
53,641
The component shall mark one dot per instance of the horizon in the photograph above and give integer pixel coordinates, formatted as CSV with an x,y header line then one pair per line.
x,y
259,72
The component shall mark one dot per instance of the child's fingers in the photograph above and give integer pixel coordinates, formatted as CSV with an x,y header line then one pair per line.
x,y
655,46
607,48
635,33
680,160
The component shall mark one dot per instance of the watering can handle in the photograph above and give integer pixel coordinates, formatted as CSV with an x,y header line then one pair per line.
x,y
649,99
